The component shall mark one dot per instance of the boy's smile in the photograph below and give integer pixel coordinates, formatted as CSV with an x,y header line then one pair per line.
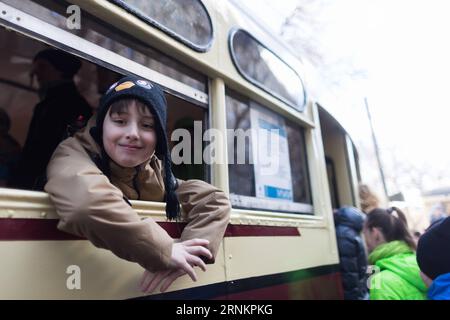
x,y
129,136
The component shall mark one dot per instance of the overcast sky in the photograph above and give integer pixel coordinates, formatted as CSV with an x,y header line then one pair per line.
x,y
404,47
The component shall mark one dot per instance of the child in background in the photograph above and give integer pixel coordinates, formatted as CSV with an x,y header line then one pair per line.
x,y
433,257
391,249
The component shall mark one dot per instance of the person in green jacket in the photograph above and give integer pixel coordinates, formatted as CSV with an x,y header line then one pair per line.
x,y
392,252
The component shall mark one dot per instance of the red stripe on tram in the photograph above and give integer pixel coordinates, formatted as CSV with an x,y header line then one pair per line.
x,y
15,229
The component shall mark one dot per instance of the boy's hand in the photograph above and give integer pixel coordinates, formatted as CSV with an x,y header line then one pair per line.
x,y
185,256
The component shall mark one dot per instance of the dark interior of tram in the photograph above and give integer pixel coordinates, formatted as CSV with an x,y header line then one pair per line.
x,y
19,96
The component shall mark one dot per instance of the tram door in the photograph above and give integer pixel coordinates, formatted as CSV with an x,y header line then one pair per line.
x,y
341,162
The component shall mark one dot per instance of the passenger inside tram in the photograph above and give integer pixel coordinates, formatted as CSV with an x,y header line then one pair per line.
x,y
60,106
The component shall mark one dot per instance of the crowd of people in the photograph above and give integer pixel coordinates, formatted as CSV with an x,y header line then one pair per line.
x,y
399,265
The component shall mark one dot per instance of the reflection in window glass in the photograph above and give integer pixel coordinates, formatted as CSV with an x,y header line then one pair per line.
x,y
114,40
241,176
299,165
263,68
243,184
187,20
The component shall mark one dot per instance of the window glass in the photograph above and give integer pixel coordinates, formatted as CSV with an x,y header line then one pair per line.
x,y
267,159
186,20
241,176
114,40
299,165
263,68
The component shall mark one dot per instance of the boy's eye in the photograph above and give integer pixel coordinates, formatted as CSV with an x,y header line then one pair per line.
x,y
148,125
119,121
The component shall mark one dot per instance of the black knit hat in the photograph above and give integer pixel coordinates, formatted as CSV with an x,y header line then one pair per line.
x,y
433,249
132,87
62,61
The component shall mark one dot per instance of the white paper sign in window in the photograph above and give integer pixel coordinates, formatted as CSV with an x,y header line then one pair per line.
x,y
270,155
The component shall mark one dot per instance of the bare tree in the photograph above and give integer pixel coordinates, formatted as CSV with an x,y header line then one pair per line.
x,y
304,28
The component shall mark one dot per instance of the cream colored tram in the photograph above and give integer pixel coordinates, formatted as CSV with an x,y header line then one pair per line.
x,y
219,67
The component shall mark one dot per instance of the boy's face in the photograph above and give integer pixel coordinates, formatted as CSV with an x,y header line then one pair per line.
x,y
129,136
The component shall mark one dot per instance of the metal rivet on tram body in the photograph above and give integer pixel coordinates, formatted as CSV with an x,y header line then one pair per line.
x,y
230,256
43,214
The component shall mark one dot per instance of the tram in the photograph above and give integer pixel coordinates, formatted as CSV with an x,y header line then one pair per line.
x,y
218,68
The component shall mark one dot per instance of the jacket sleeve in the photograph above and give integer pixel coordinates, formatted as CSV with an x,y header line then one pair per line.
x,y
90,206
206,210
362,267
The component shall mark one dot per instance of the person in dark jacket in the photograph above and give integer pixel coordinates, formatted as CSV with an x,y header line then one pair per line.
x,y
349,222
61,106
433,258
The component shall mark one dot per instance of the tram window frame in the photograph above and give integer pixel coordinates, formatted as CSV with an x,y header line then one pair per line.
x,y
157,24
299,105
125,44
242,181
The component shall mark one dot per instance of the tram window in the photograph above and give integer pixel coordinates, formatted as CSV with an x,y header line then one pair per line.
x,y
186,20
263,68
19,97
266,172
113,39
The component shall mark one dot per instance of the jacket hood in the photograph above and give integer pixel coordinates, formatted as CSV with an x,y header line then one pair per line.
x,y
399,258
440,288
351,217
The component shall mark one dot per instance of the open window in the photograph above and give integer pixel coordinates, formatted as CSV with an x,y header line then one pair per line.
x,y
19,95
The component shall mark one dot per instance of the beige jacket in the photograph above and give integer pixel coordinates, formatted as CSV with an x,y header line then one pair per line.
x,y
92,206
